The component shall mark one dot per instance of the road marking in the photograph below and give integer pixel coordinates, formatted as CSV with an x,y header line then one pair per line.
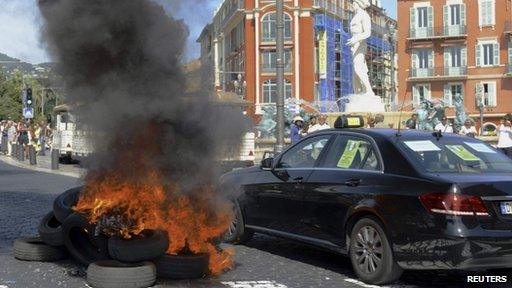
x,y
4,286
362,284
253,284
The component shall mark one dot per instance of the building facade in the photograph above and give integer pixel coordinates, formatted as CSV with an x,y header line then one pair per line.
x,y
457,47
240,47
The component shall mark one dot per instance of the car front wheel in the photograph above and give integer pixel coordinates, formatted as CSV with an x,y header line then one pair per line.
x,y
237,233
370,253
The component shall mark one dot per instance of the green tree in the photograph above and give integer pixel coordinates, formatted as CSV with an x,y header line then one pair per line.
x,y
11,87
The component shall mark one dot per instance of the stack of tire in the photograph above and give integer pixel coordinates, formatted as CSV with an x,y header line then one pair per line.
x,y
110,261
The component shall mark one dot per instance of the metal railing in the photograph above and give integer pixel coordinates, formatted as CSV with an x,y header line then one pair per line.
x,y
330,7
444,31
227,10
438,72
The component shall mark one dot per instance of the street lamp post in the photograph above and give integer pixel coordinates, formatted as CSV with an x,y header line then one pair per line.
x,y
481,105
280,76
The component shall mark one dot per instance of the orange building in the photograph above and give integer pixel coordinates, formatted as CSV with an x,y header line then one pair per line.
x,y
450,47
240,47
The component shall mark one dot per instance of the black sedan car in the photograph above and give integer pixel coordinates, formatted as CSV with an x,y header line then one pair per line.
x,y
389,200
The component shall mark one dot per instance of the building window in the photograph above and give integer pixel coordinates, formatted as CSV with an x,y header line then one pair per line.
x,y
422,62
455,15
269,25
270,90
455,60
270,60
486,10
422,17
487,54
420,93
451,91
488,91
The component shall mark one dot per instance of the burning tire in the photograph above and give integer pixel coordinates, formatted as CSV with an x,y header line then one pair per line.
x,y
182,266
50,230
81,241
237,233
63,205
114,274
34,249
149,245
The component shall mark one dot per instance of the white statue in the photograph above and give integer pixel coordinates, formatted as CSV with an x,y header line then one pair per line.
x,y
361,29
364,98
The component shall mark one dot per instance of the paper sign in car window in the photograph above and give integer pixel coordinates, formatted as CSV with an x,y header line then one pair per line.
x,y
422,146
462,153
480,147
349,154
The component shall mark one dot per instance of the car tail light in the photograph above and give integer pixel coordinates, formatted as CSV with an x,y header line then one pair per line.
x,y
454,204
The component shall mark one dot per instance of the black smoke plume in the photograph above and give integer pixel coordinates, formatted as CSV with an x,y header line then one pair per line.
x,y
121,63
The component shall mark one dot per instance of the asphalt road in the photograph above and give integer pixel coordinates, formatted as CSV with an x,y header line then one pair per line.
x,y
265,262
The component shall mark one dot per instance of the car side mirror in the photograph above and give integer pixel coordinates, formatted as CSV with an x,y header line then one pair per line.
x,y
266,164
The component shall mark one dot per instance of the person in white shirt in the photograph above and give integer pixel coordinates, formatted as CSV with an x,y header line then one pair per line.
x,y
444,126
312,123
468,129
321,125
505,137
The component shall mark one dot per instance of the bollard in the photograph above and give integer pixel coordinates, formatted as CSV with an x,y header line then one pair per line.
x,y
55,159
32,155
21,153
14,151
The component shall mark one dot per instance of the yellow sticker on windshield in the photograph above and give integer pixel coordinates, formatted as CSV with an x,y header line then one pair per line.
x,y
353,121
349,154
462,153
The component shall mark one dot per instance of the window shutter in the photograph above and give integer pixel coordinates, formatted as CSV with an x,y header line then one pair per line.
x,y
481,12
510,52
463,15
430,16
493,12
479,91
464,56
496,60
427,92
492,93
415,96
447,95
478,55
415,59
447,58
446,13
431,59
413,22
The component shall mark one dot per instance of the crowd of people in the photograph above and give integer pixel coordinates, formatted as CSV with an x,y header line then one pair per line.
x,y
301,128
26,134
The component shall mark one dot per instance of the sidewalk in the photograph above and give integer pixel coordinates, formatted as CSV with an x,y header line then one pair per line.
x,y
44,164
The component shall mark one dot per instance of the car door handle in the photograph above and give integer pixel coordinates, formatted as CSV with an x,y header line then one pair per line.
x,y
353,182
298,180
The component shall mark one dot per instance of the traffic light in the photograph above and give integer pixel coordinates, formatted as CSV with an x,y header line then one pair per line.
x,y
29,97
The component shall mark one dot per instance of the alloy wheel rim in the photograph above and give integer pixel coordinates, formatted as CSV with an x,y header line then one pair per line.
x,y
232,227
368,250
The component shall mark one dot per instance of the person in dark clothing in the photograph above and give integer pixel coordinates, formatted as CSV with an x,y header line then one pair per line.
x,y
411,123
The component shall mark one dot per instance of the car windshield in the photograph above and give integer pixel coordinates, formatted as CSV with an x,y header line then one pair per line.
x,y
456,155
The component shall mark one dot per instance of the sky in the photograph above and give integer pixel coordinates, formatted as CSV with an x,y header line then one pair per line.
x,y
20,22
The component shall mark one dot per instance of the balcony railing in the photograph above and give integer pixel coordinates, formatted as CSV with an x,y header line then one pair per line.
x,y
438,32
330,7
438,72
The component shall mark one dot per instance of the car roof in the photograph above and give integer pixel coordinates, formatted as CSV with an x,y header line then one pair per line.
x,y
392,133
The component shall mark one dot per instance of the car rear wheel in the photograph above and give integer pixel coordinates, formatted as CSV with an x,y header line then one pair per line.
x,y
370,253
237,233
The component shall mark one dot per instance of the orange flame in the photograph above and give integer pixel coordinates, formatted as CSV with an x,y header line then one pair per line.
x,y
193,219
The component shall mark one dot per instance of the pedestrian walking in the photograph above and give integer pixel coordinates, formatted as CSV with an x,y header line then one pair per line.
x,y
41,134
445,126
23,136
312,122
4,127
11,136
505,137
468,129
379,122
296,129
321,123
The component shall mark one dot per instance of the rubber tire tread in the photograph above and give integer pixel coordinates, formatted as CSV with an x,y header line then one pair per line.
x,y
138,249
92,248
113,274
64,203
182,267
242,234
391,271
50,234
34,249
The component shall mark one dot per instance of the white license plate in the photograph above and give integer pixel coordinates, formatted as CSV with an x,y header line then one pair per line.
x,y
506,208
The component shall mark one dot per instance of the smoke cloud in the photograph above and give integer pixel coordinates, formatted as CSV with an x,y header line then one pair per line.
x,y
121,62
